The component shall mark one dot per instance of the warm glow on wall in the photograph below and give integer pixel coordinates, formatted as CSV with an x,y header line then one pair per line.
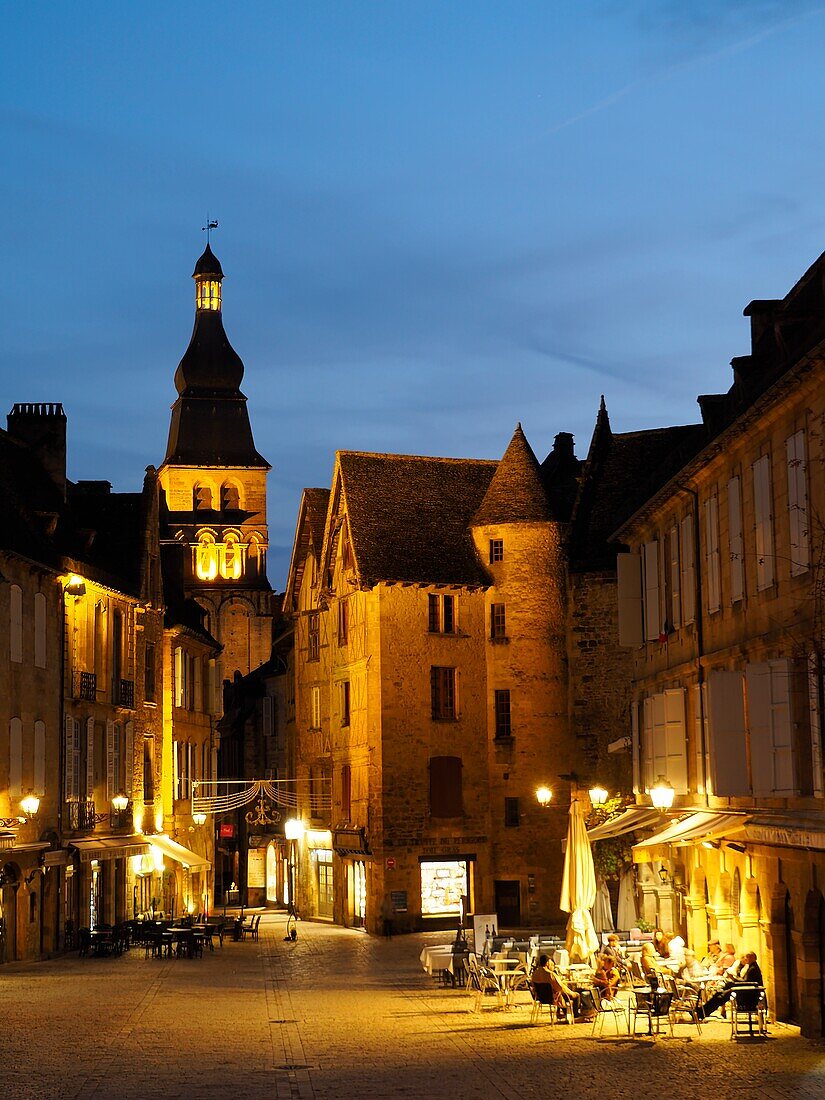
x,y
231,560
206,560
208,294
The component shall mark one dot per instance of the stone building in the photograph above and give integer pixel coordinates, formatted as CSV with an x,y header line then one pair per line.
x,y
721,602
432,611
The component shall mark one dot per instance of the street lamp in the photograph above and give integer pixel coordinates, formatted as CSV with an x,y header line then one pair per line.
x,y
544,796
199,818
661,794
30,805
120,802
293,831
598,796
75,586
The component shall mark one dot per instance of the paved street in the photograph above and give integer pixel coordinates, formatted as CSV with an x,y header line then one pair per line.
x,y
340,1015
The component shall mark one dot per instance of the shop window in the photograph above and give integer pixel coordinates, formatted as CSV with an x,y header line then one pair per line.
x,y
443,692
443,883
445,786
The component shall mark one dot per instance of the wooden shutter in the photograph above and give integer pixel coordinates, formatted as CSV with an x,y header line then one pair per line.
x,y
726,729
15,758
128,759
648,737
713,579
90,758
675,749
111,763
701,737
815,720
798,503
736,544
653,620
198,692
763,522
346,792
659,737
69,785
39,758
635,747
445,786
629,576
180,664
687,552
16,623
39,630
675,579
267,713
771,728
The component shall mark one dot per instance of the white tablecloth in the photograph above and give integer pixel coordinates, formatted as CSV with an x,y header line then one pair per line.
x,y
437,957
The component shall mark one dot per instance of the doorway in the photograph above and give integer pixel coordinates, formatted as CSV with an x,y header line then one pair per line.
x,y
359,894
508,903
8,914
325,890
790,961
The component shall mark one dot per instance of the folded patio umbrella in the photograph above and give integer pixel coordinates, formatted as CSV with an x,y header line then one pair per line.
x,y
602,912
578,887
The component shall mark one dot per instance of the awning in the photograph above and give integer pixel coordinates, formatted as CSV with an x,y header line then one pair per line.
x,y
35,846
704,825
6,840
178,853
634,817
351,842
799,830
110,847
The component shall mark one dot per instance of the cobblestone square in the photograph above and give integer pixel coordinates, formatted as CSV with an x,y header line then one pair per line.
x,y
336,1015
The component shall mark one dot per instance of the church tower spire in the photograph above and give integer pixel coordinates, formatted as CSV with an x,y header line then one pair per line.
x,y
215,485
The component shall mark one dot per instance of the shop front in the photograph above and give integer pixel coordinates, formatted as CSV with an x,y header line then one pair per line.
x,y
445,880
353,852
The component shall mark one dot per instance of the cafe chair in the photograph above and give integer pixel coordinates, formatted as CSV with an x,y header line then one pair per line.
x,y
543,997
748,1003
650,1005
482,981
685,1003
606,1006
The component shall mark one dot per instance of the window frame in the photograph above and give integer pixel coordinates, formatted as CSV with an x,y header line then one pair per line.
x,y
496,551
443,693
502,714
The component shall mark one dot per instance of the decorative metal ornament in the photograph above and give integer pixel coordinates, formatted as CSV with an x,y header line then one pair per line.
x,y
263,814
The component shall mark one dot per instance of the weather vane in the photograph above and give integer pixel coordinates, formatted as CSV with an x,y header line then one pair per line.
x,y
207,229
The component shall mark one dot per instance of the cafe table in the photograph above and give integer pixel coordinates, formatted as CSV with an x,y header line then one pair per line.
x,y
436,957
503,968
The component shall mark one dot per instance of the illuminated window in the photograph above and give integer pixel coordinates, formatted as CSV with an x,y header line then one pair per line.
x,y
231,566
208,294
206,558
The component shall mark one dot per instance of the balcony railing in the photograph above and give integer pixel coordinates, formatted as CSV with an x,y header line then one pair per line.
x,y
85,686
123,693
81,815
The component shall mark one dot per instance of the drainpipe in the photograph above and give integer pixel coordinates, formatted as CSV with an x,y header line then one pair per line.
x,y
700,639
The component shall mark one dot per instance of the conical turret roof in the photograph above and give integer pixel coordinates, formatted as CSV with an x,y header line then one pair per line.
x,y
516,493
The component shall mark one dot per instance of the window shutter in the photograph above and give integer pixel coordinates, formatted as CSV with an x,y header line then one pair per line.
x,y
15,759
675,754
714,595
267,713
629,576
798,502
635,747
726,728
659,736
198,703
346,792
700,727
763,518
653,621
39,758
69,786
90,758
179,687
128,759
675,579
758,677
648,737
815,718
16,623
189,762
771,728
111,772
39,630
736,545
688,556
176,777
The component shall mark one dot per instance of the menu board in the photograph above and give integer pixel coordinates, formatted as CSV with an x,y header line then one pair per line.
x,y
256,868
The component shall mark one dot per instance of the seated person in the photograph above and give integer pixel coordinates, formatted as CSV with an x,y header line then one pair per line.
x,y
647,961
543,971
606,979
613,948
669,947
692,968
746,972
727,959
711,960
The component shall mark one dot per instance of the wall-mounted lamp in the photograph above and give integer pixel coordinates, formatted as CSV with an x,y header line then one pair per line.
x,y
664,875
120,802
30,805
711,844
544,796
75,586
735,847
661,794
199,818
598,795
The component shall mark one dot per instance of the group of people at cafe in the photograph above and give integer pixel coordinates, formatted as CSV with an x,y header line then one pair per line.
x,y
715,975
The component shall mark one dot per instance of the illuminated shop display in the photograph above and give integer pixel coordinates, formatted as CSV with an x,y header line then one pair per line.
x,y
442,884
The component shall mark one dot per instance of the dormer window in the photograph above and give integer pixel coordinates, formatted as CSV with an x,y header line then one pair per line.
x,y
208,294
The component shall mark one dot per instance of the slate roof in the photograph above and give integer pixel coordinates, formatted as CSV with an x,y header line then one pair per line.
x,y
208,264
516,493
409,516
107,533
317,503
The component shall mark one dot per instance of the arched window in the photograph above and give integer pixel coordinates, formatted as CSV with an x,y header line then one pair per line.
x,y
39,630
231,563
15,758
39,758
230,497
16,624
206,558
202,498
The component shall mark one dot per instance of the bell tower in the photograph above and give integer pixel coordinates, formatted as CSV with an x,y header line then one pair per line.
x,y
215,486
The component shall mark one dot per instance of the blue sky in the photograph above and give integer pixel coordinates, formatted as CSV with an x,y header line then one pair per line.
x,y
436,219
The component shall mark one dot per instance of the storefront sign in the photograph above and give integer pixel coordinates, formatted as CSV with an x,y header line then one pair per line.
x,y
399,900
226,832
256,868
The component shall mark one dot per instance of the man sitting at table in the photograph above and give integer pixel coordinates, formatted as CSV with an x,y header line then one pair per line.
x,y
746,972
606,979
711,960
693,968
547,974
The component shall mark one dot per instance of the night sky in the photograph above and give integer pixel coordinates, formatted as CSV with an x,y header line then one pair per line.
x,y
436,219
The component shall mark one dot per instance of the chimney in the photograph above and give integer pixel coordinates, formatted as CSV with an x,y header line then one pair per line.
x,y
563,447
42,427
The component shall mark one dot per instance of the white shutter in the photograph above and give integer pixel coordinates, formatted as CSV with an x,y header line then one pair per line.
x,y
188,792
69,774
15,759
726,729
39,758
16,623
675,579
736,544
659,737
648,736
179,686
763,521
77,757
688,562
198,704
701,739
814,681
714,594
629,577
771,728
176,770
635,747
90,758
111,766
675,755
653,620
39,630
128,759
798,502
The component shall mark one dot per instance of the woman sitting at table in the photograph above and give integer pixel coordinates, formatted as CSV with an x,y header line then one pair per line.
x,y
647,961
607,978
668,947
692,968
